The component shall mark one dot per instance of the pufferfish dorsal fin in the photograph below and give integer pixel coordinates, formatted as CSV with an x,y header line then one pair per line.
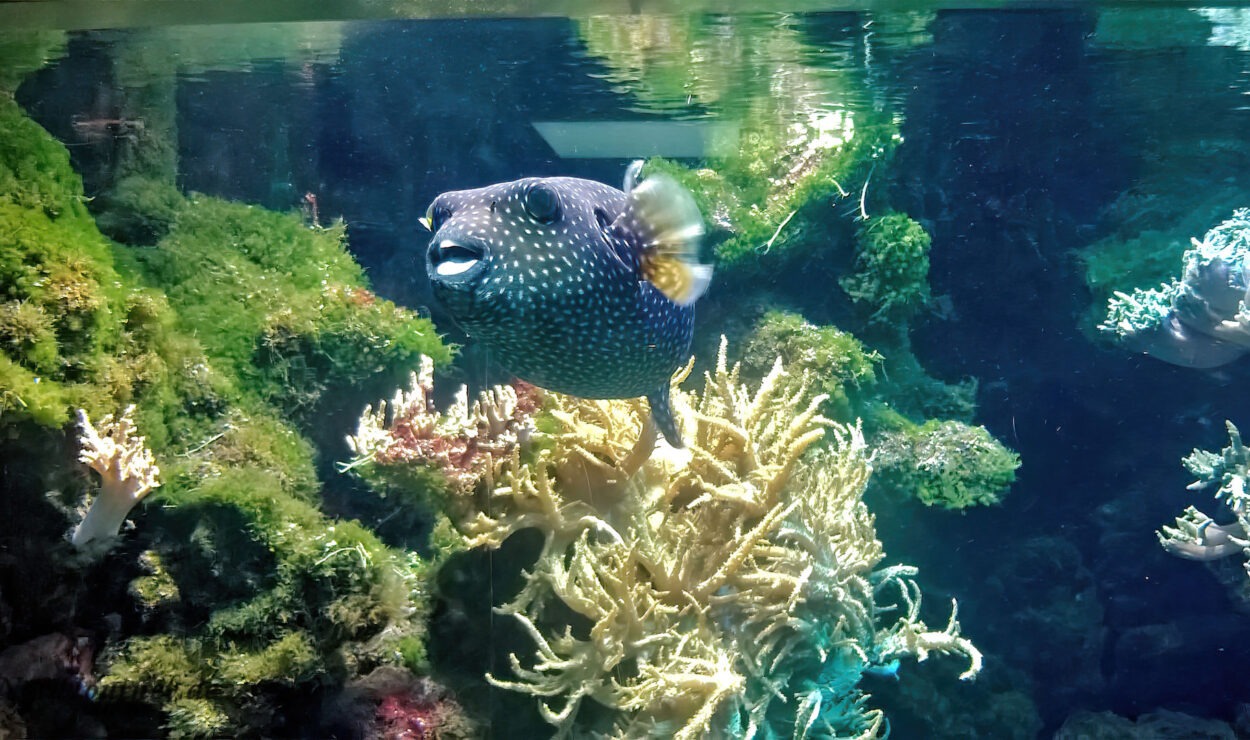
x,y
662,220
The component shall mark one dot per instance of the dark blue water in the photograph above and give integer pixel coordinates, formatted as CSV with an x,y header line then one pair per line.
x,y
1020,130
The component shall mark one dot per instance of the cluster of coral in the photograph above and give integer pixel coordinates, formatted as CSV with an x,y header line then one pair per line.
x,y
1200,319
1195,535
735,587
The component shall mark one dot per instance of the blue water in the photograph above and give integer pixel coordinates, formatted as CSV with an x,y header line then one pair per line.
x,y
1020,129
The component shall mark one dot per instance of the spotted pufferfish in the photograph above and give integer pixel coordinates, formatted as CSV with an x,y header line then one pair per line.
x,y
575,286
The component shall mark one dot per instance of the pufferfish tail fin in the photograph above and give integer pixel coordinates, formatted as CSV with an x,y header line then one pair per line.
x,y
661,218
662,414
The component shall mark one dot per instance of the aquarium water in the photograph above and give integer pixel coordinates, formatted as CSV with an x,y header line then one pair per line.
x,y
434,369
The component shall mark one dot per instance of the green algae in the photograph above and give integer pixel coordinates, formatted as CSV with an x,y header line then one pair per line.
x,y
57,283
283,308
846,370
768,216
26,52
234,329
948,464
891,274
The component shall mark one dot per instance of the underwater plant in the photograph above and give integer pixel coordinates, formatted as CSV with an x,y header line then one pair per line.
x,y
60,309
771,199
283,310
1200,319
891,273
844,369
734,587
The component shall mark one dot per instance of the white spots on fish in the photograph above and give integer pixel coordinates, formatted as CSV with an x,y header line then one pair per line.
x,y
567,309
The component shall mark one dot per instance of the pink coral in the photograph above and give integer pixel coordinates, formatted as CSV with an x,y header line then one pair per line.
x,y
408,717
460,442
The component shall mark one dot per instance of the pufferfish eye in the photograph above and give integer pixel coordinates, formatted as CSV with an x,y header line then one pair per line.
x,y
542,203
435,215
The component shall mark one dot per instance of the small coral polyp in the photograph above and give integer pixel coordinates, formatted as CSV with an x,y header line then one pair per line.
x,y
732,587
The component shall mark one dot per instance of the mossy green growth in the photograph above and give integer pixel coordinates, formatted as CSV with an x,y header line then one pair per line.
x,y
776,205
35,172
192,718
844,367
283,308
271,595
24,395
63,336
247,592
76,330
785,182
891,274
138,210
209,693
157,589
944,463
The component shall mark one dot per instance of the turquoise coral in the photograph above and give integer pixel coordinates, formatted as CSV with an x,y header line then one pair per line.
x,y
1197,320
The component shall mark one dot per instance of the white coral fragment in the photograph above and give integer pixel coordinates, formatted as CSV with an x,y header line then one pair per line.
x,y
127,474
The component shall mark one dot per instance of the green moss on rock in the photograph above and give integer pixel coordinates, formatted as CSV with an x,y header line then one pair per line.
x,y
238,323
845,367
945,463
891,274
60,324
283,308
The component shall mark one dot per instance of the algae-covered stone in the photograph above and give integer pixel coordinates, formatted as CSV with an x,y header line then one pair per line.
x,y
283,308
844,368
237,324
946,463
891,268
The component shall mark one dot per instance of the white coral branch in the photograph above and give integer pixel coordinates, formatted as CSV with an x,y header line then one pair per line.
x,y
127,474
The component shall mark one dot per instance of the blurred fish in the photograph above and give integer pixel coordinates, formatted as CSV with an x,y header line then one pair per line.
x,y
574,285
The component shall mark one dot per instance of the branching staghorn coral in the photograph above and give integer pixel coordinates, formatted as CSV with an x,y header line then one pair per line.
x,y
731,587
1196,536
462,442
127,473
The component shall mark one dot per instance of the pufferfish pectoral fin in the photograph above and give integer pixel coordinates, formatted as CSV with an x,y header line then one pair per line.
x,y
662,220
662,414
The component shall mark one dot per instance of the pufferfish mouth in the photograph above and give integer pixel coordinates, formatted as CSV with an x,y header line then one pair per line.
x,y
454,260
